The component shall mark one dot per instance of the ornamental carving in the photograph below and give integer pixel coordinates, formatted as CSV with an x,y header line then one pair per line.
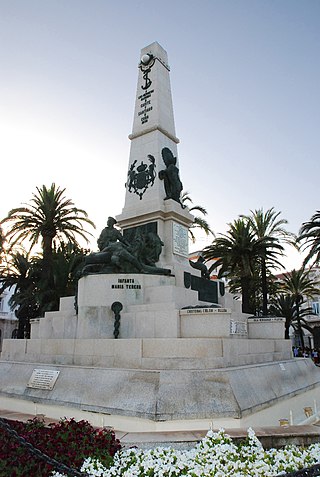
x,y
141,177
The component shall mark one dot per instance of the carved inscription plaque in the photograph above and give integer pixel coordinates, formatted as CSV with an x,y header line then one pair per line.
x,y
238,327
43,379
197,311
180,239
267,319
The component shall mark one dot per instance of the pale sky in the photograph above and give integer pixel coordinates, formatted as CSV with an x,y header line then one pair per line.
x,y
245,79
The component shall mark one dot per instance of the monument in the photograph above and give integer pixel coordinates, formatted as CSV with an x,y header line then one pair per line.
x,y
154,343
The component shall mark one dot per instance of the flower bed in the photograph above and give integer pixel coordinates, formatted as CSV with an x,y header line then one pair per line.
x,y
69,442
215,456
98,454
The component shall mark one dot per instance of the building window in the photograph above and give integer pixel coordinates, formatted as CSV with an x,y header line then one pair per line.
x,y
316,307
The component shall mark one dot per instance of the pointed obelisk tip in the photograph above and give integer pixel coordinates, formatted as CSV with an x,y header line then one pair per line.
x,y
154,46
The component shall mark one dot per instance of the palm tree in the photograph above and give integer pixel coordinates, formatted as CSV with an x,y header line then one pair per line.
x,y
68,261
268,225
21,273
49,217
1,240
237,253
309,233
284,305
256,298
299,284
32,297
199,222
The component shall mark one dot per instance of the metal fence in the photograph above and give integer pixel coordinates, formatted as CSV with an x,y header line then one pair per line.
x,y
58,466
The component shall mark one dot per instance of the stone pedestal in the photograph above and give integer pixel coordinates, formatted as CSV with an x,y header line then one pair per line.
x,y
266,327
153,307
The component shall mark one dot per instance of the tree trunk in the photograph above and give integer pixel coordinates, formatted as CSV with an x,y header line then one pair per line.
x,y
47,279
20,334
264,287
245,290
286,329
47,256
299,324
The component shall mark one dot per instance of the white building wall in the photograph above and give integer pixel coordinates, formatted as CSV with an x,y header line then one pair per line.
x,y
8,320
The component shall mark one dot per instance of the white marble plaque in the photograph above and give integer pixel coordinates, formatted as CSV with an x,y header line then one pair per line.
x,y
199,311
267,319
238,327
180,239
43,379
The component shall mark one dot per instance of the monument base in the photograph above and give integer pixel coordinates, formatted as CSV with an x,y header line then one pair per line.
x,y
177,360
174,399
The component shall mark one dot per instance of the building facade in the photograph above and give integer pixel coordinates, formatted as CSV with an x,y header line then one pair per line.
x,y
8,320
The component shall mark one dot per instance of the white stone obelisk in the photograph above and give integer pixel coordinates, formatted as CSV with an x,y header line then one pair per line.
x,y
153,132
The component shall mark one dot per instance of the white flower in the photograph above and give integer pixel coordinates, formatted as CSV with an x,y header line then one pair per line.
x,y
215,456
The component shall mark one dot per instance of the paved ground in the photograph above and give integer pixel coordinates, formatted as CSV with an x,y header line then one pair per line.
x,y
269,436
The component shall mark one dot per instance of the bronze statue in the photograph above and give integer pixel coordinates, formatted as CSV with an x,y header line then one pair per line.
x,y
152,249
116,255
172,183
200,265
110,235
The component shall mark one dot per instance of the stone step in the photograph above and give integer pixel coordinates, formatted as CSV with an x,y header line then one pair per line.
x,y
147,353
270,437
